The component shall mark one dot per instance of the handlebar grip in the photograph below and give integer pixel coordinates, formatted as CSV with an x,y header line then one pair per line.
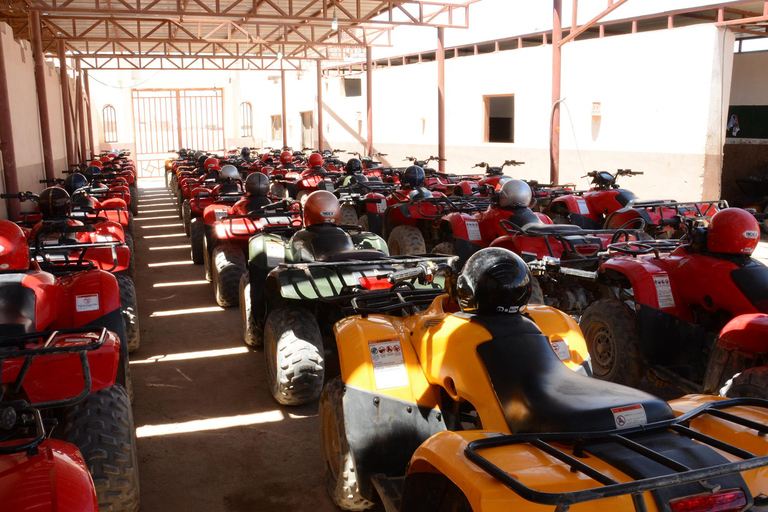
x,y
408,273
673,221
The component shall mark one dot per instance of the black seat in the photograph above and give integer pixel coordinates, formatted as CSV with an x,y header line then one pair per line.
x,y
420,193
320,242
354,254
539,394
255,204
17,306
550,229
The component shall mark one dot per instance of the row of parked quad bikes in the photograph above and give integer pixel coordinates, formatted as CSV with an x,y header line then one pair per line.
x,y
433,315
68,319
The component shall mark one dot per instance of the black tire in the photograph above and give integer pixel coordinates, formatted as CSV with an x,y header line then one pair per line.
x,y
251,333
174,183
293,350
610,330
278,190
131,226
749,383
304,193
186,217
197,239
348,215
227,267
363,222
444,248
131,244
101,426
406,240
130,311
340,469
537,295
134,191
207,260
764,226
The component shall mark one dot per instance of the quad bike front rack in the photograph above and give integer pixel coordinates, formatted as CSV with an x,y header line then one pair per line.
x,y
610,487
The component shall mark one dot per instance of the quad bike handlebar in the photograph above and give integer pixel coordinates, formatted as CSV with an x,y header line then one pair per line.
x,y
426,270
21,196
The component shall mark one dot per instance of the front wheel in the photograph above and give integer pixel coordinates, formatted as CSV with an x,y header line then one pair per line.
x,y
406,240
251,332
227,267
197,239
101,426
186,216
130,311
749,383
293,350
348,215
610,330
445,248
341,478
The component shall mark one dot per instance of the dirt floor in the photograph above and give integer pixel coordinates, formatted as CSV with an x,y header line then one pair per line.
x,y
211,438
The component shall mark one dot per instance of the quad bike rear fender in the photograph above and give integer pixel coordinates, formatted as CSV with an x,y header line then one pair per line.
x,y
86,297
266,250
649,282
214,212
576,206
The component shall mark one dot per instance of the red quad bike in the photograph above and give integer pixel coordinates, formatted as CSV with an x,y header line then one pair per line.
x,y
355,197
226,264
311,179
286,176
211,207
227,188
75,321
124,168
695,317
116,186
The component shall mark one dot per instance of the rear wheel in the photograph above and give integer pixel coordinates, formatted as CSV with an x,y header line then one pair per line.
x,y
340,470
348,216
228,266
537,295
101,426
302,195
207,260
186,216
131,228
363,222
293,349
129,311
749,383
444,248
134,191
279,191
764,226
197,238
610,330
251,333
406,240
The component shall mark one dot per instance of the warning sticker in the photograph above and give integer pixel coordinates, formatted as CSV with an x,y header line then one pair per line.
x,y
388,364
664,291
629,416
381,206
473,230
583,207
87,302
561,349
220,214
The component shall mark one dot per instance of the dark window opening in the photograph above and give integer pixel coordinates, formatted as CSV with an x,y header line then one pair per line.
x,y
500,111
353,87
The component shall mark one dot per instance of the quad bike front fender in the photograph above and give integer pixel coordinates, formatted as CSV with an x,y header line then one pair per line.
x,y
214,212
746,333
648,282
266,251
369,241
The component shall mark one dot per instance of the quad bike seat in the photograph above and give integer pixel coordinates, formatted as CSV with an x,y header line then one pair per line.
x,y
253,204
354,254
320,242
17,306
420,193
539,394
536,229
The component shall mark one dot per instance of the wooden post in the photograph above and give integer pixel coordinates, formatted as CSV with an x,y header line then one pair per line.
x,y
320,136
554,145
6,141
441,98
284,121
89,113
80,99
66,104
369,100
42,94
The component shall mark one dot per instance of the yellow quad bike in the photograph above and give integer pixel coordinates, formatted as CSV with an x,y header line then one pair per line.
x,y
478,408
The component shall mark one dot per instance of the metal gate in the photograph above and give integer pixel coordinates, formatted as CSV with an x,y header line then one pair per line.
x,y
167,119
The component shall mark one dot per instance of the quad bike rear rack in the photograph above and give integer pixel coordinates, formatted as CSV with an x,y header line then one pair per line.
x,y
52,259
610,487
250,223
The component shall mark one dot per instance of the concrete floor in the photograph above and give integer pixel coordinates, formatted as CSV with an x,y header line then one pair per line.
x,y
211,438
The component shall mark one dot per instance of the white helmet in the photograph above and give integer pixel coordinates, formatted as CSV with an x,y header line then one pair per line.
x,y
229,172
515,194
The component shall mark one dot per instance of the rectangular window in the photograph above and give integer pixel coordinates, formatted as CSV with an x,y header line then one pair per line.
x,y
500,118
246,119
277,127
353,87
109,118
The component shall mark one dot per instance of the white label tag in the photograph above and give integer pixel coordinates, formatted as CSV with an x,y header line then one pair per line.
x,y
220,214
275,253
388,364
664,291
381,206
473,230
629,416
561,349
583,208
87,302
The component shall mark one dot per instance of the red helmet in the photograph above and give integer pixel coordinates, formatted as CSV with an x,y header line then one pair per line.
x,y
286,157
315,160
14,252
105,159
733,231
211,163
97,163
322,207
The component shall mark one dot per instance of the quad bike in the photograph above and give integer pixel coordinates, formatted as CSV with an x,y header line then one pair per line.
x,y
695,317
354,199
226,255
486,184
440,410
206,208
43,314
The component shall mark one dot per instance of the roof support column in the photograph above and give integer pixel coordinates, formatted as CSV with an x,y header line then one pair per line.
x,y
88,112
66,104
80,99
441,98
284,120
6,141
42,95
369,99
554,139
320,137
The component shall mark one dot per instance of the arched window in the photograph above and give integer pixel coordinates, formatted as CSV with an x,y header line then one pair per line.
x,y
109,118
246,119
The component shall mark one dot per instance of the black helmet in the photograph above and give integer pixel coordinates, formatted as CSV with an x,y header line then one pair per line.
x,y
257,184
201,159
92,172
75,181
413,177
494,280
182,152
358,178
354,166
54,202
245,153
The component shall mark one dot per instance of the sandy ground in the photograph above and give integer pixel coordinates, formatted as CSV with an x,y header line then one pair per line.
x,y
211,438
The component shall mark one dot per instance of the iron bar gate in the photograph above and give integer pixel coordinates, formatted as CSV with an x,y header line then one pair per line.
x,y
167,119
